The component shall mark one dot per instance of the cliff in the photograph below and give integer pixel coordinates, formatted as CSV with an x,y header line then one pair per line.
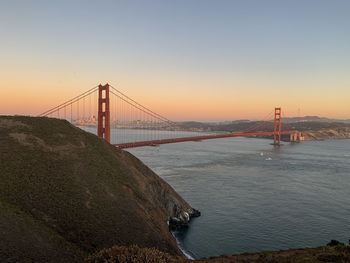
x,y
330,133
313,127
65,194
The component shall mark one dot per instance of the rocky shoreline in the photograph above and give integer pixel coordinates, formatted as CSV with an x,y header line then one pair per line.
x,y
326,134
182,219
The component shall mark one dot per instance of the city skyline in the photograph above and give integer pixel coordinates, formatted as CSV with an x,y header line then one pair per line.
x,y
188,60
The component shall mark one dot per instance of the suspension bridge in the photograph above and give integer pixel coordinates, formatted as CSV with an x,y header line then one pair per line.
x,y
125,123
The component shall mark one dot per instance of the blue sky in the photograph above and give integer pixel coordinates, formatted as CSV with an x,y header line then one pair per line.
x,y
251,49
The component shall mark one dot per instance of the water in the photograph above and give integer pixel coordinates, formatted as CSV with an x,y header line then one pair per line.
x,y
255,197
134,135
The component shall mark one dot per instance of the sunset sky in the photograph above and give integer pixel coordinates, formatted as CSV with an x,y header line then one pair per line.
x,y
185,59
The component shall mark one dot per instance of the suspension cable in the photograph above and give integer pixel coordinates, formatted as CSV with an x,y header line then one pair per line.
x,y
160,117
73,100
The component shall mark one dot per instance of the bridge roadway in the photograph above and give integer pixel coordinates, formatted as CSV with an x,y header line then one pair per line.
x,y
198,138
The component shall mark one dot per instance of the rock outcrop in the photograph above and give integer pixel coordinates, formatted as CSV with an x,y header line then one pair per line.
x,y
330,133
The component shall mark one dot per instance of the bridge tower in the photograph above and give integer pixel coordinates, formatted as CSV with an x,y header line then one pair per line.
x,y
103,126
277,127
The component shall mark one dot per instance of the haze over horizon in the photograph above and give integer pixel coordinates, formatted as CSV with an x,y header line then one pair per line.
x,y
187,60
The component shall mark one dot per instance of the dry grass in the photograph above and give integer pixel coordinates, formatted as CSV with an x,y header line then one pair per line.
x,y
133,254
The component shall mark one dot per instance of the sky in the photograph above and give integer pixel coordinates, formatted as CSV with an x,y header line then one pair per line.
x,y
185,59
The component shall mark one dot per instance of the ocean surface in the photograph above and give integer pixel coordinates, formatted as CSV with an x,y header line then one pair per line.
x,y
255,197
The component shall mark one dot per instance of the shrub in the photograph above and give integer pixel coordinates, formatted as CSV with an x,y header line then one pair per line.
x,y
334,243
133,254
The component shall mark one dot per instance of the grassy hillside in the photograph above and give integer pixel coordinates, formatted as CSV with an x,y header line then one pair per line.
x,y
64,193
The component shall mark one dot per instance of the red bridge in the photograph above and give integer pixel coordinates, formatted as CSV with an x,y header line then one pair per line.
x,y
125,123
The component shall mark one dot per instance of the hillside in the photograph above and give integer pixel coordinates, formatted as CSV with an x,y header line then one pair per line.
x,y
65,194
331,133
314,119
313,129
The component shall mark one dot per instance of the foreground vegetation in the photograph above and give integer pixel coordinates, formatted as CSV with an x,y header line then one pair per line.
x,y
338,253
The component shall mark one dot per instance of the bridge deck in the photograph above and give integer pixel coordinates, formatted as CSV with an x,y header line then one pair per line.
x,y
197,138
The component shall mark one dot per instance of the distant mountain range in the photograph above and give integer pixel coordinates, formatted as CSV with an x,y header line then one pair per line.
x,y
300,123
199,124
313,119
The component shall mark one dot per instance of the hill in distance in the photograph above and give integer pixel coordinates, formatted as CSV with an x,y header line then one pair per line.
x,y
313,127
314,119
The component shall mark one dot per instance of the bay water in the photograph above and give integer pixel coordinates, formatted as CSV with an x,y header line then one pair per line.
x,y
254,196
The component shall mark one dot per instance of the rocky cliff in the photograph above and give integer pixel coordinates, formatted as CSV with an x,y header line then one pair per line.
x,y
329,133
65,194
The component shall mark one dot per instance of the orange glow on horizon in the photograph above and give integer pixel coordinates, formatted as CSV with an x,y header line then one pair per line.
x,y
25,97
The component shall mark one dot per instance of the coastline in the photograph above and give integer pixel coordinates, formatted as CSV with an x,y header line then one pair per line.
x,y
190,244
179,224
186,253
